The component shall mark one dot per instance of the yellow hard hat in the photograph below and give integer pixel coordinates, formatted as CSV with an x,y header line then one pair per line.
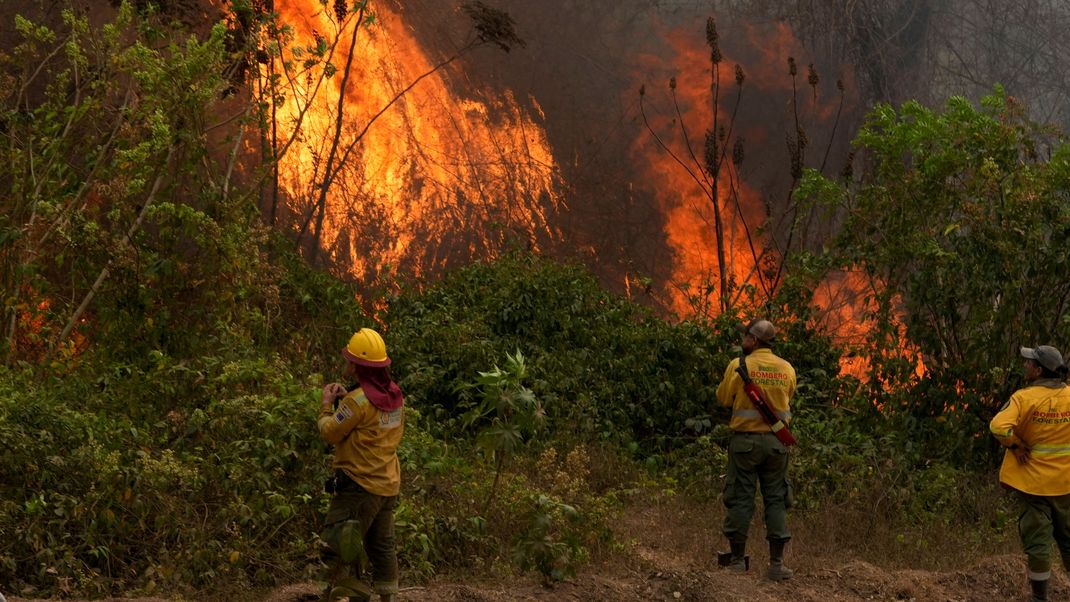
x,y
367,348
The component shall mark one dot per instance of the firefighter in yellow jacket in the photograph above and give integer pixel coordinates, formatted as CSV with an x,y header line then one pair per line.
x,y
364,424
1034,426
755,456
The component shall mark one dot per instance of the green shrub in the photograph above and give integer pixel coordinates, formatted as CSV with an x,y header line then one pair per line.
x,y
551,542
605,367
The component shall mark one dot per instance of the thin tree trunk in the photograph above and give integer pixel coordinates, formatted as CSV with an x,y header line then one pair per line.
x,y
320,207
715,173
233,159
494,487
261,198
274,147
273,159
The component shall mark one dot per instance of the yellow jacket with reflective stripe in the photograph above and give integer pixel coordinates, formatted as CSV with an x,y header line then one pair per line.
x,y
1037,417
776,379
366,442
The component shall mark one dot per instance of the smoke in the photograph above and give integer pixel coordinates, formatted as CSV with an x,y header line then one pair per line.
x,y
927,51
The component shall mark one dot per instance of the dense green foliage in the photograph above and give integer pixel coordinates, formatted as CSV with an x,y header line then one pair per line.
x,y
206,469
604,367
962,226
959,231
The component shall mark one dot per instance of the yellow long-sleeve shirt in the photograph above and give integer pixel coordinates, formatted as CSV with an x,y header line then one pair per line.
x,y
1038,417
366,442
776,379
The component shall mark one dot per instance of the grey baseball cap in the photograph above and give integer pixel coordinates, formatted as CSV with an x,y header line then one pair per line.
x,y
763,330
1045,355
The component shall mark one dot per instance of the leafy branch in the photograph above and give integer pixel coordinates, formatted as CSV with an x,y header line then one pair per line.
x,y
508,411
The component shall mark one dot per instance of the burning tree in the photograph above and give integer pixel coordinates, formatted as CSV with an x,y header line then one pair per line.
x,y
350,129
717,175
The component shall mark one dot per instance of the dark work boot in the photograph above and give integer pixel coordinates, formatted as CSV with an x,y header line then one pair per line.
x,y
738,563
777,570
1040,590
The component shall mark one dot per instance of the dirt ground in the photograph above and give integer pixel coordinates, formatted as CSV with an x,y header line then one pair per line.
x,y
995,578
669,556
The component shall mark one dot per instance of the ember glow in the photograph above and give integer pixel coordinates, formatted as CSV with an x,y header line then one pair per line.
x,y
453,170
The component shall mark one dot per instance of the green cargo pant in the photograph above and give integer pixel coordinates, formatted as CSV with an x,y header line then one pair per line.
x,y
1044,520
756,459
375,515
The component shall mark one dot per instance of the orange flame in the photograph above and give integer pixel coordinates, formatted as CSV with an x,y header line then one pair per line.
x,y
846,305
688,208
844,302
449,172
34,327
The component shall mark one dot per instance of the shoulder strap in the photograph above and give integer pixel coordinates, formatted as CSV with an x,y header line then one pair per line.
x,y
742,368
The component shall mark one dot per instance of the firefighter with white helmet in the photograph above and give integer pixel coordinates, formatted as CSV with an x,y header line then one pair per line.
x,y
364,423
1034,427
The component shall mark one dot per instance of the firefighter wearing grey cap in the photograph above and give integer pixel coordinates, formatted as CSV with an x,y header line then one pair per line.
x,y
755,456
1034,427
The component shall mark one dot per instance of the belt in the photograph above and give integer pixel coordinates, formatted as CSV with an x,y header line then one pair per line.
x,y
341,483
